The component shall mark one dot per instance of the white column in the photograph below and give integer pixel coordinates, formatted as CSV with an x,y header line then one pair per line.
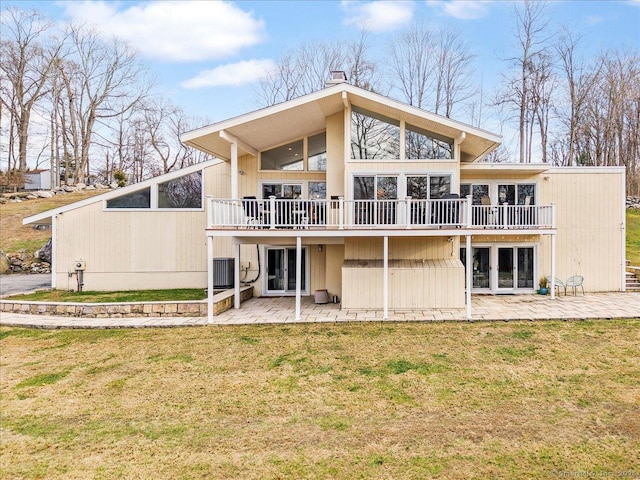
x,y
385,281
234,169
54,245
469,274
236,277
298,275
553,266
209,279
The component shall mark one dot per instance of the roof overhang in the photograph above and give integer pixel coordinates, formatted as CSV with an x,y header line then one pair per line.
x,y
306,115
526,168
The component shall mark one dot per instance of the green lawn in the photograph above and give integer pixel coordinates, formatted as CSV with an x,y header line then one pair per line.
x,y
109,297
633,236
535,400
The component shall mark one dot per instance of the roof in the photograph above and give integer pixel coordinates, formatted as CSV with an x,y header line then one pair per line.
x,y
293,119
45,217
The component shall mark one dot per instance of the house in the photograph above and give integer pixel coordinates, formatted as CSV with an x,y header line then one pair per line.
x,y
381,204
37,180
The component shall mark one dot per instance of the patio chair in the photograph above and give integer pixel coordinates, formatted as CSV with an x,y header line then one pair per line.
x,y
251,210
558,284
574,282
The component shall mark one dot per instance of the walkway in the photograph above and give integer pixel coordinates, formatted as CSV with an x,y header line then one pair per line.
x,y
281,310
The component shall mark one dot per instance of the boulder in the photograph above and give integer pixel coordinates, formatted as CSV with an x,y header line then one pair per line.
x,y
44,253
81,186
43,194
5,265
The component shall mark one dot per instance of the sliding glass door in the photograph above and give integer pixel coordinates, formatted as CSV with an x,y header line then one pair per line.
x,y
502,268
281,270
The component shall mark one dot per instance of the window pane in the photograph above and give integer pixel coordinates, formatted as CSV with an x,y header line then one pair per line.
x,y
418,187
424,145
479,191
286,157
181,192
139,199
271,189
440,186
507,193
465,190
317,190
318,152
374,138
292,191
363,188
524,191
525,267
387,188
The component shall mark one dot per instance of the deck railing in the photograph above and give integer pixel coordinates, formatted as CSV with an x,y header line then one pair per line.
x,y
405,213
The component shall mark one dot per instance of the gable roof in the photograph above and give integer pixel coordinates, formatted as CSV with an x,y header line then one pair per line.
x,y
293,119
45,217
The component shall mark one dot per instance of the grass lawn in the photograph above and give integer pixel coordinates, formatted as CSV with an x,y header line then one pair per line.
x,y
15,237
633,236
104,297
355,401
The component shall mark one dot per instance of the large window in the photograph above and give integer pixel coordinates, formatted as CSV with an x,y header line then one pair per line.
x,y
291,157
424,145
139,199
285,157
374,137
181,192
428,186
317,152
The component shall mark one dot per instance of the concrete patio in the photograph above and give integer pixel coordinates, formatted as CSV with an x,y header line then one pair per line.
x,y
279,310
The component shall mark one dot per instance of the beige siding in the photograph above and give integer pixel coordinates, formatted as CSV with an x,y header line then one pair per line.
x,y
416,248
335,155
589,216
139,249
412,285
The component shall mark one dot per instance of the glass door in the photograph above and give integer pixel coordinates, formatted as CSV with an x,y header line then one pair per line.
x,y
506,268
481,267
525,268
281,270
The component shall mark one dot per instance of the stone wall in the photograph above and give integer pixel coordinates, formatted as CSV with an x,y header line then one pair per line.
x,y
221,302
633,202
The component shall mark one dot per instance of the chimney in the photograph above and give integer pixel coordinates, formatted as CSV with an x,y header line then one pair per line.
x,y
336,77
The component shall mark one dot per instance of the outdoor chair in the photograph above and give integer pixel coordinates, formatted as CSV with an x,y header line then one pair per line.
x,y
251,210
574,282
558,284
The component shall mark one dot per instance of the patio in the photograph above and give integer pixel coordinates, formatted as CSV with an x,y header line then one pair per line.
x,y
281,310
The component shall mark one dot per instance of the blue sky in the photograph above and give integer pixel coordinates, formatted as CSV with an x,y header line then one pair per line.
x,y
200,49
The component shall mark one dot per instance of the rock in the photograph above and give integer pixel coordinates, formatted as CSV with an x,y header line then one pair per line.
x,y
114,185
5,265
43,194
81,186
68,188
45,252
91,187
100,186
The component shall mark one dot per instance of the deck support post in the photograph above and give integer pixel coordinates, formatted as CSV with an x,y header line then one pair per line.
x,y
236,277
209,279
298,275
553,266
385,276
468,273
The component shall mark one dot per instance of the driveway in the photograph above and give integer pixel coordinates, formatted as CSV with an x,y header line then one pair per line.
x,y
18,283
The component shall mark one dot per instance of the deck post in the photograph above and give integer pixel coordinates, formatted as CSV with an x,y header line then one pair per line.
x,y
234,169
408,213
385,275
341,212
553,266
272,212
209,279
469,211
468,273
236,275
298,275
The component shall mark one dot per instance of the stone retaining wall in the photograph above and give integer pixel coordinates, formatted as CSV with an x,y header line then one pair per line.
x,y
221,302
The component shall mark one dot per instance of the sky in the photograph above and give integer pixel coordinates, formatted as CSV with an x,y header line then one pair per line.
x,y
207,55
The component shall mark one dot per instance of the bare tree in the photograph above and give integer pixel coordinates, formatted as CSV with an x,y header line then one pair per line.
x,y
25,63
531,28
101,81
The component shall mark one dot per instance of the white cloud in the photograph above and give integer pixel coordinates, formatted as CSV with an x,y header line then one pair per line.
x,y
461,9
176,31
233,74
378,16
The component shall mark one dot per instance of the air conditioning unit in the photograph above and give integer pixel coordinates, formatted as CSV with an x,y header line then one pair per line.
x,y
223,273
